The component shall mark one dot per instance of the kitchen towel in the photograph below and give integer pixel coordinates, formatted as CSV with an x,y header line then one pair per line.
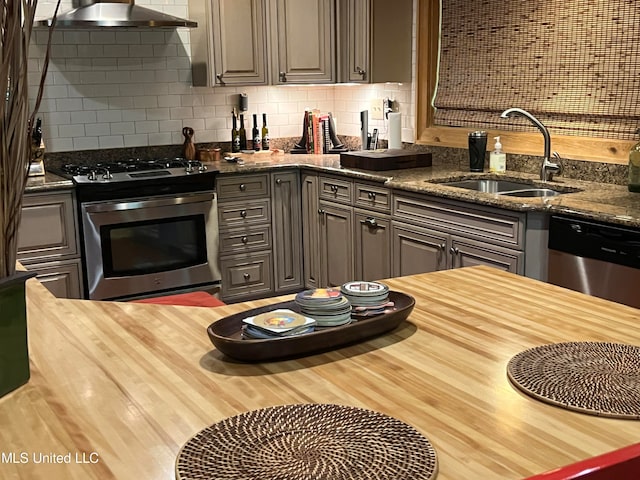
x,y
395,130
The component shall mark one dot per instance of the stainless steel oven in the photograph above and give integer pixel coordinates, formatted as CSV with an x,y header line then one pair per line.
x,y
141,245
147,227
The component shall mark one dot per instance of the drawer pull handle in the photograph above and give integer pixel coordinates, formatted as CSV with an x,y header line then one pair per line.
x,y
334,188
454,251
243,213
246,276
372,195
243,187
244,239
443,246
321,211
278,181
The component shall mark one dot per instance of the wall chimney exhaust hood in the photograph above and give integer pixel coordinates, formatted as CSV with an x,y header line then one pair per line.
x,y
114,13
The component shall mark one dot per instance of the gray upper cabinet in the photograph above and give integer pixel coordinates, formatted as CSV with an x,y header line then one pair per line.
x,y
374,40
303,41
230,47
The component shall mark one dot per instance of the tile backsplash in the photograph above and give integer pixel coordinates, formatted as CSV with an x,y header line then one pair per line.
x,y
113,88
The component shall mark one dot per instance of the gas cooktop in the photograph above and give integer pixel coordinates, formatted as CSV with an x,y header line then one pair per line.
x,y
129,170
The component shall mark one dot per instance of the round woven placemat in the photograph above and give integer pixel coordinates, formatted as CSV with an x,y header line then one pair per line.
x,y
308,442
597,378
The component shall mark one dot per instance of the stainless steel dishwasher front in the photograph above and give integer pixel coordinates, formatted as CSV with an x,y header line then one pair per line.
x,y
599,259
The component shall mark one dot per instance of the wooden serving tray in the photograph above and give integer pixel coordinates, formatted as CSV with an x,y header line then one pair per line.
x,y
379,160
226,335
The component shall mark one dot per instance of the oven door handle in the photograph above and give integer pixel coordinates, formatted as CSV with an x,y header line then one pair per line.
x,y
137,204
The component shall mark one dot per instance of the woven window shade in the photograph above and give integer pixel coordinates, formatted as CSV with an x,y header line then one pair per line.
x,y
574,64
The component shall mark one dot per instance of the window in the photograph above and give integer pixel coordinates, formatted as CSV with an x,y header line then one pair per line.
x,y
589,103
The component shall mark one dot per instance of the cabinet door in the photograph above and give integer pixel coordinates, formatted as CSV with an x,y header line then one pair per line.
x,y
287,237
239,47
48,227
467,253
336,244
417,250
303,41
310,230
354,40
62,279
373,246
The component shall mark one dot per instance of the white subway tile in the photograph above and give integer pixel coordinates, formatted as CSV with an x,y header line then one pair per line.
x,y
75,37
169,101
97,129
136,140
166,76
128,38
60,144
120,103
109,116
130,63
78,64
122,128
93,77
170,125
216,123
146,126
111,141
57,118
63,51
102,37
116,51
154,63
196,123
68,104
141,50
181,112
142,76
148,101
118,76
165,50
83,117
71,131
157,113
206,136
90,51
152,37
163,138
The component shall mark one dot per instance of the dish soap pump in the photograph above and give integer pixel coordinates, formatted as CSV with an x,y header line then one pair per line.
x,y
497,158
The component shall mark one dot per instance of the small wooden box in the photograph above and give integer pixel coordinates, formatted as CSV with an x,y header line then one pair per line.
x,y
392,159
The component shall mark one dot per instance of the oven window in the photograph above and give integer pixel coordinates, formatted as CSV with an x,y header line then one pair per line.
x,y
151,246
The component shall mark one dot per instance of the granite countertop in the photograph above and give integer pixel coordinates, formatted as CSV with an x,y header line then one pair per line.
x,y
595,201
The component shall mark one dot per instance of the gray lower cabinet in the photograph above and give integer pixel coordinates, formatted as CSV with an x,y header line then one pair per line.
x,y
372,245
48,241
336,244
310,229
418,250
244,218
260,234
434,234
287,235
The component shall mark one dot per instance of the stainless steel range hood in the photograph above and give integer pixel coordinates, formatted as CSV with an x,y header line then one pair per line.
x,y
114,13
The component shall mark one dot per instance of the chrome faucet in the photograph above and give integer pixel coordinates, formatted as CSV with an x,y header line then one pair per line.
x,y
548,168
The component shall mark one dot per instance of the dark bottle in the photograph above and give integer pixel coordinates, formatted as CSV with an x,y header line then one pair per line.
x,y
255,134
265,132
235,136
243,133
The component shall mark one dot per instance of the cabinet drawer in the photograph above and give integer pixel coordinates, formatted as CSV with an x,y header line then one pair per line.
x,y
246,275
242,186
335,189
502,227
235,214
63,279
372,197
238,240
48,227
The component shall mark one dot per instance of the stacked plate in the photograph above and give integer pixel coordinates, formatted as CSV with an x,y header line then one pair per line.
x,y
277,323
327,306
367,298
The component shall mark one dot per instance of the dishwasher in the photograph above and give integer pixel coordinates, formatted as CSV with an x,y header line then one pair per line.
x,y
599,259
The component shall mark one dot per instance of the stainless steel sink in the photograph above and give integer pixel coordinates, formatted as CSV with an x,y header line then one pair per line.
x,y
510,188
490,186
531,192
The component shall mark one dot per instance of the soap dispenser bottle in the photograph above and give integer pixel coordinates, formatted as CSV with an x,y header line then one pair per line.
x,y
497,158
